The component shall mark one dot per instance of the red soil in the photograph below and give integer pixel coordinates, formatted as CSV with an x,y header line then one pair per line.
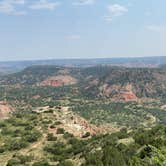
x,y
57,81
129,96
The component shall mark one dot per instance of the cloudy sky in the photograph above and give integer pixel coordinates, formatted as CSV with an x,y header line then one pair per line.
x,y
45,29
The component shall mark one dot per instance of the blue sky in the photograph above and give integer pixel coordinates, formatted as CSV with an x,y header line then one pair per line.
x,y
46,29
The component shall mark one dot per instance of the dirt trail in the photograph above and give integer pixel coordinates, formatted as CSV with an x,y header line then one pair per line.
x,y
35,146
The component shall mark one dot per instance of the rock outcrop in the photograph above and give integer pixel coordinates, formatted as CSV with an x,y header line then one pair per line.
x,y
58,81
74,124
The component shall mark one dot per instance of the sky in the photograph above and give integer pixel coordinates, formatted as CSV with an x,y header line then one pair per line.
x,y
57,29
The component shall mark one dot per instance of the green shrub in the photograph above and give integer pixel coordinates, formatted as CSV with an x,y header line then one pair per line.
x,y
60,131
51,137
52,126
2,149
32,136
24,159
13,162
87,134
41,163
65,163
57,123
2,124
67,135
16,145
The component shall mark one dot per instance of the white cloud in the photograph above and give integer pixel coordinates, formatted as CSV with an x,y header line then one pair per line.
x,y
44,4
19,7
83,2
155,28
115,10
73,37
9,7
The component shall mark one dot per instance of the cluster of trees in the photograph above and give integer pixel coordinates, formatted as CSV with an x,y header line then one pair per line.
x,y
105,150
18,132
123,114
147,150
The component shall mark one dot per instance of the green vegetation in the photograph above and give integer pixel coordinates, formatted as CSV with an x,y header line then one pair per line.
x,y
34,134
27,145
146,82
18,132
129,114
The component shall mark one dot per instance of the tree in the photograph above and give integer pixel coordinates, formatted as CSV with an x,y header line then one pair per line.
x,y
112,157
51,137
65,163
41,163
60,131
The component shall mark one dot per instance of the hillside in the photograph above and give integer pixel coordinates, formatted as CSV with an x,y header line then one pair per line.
x,y
83,116
142,82
36,139
101,94
106,81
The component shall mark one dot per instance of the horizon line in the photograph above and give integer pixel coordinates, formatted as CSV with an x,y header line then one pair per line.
x,y
97,58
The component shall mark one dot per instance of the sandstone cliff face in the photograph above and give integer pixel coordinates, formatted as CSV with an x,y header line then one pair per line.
x,y
118,92
128,96
58,81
